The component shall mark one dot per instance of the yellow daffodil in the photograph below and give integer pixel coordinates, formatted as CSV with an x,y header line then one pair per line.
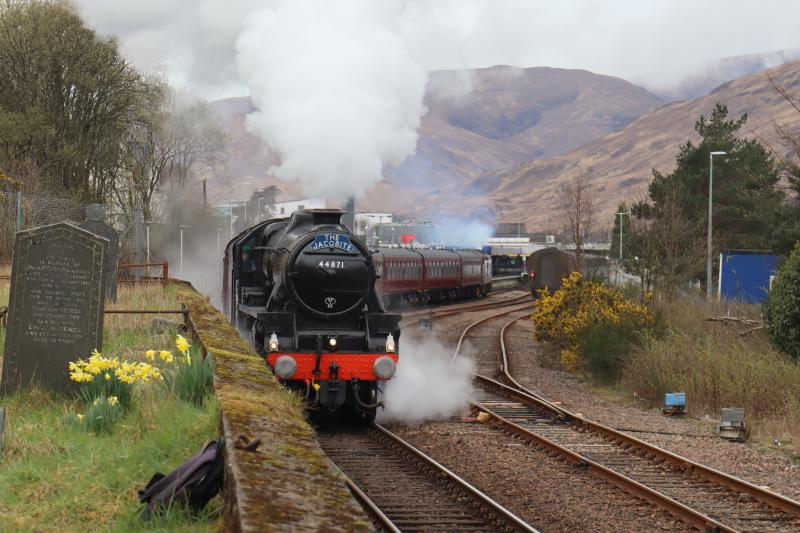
x,y
108,376
182,344
80,417
150,354
316,386
113,400
166,356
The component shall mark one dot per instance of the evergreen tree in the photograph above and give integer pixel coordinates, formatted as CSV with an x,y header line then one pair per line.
x,y
782,308
747,204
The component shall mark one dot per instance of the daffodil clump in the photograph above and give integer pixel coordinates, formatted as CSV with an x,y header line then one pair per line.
x,y
107,383
108,377
192,379
592,324
101,416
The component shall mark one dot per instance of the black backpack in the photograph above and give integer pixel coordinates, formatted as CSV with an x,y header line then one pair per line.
x,y
192,484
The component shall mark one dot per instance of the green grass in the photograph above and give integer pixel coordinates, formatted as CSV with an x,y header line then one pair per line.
x,y
57,477
718,367
54,474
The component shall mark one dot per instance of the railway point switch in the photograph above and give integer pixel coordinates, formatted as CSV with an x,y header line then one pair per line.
x,y
732,425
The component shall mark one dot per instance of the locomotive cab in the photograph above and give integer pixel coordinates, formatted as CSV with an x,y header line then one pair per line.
x,y
311,308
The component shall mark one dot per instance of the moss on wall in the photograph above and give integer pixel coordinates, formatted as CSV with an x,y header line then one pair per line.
x,y
287,484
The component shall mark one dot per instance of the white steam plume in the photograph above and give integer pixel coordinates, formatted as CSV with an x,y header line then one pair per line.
x,y
462,233
339,84
427,386
337,92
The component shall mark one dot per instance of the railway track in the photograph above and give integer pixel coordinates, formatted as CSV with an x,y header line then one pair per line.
x,y
703,497
405,490
413,317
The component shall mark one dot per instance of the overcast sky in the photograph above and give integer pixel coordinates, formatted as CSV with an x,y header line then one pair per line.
x,y
338,85
650,42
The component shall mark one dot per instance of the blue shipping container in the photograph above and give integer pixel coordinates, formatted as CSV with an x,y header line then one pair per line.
x,y
746,276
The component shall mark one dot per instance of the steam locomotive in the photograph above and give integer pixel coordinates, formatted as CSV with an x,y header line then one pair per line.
x,y
303,288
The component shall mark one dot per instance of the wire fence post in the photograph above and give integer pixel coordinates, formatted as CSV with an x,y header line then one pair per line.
x,y
138,232
20,212
2,426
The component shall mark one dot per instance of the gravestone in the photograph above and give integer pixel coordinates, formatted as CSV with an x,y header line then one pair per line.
x,y
95,214
56,304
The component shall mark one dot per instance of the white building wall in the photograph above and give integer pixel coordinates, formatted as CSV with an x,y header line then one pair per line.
x,y
284,209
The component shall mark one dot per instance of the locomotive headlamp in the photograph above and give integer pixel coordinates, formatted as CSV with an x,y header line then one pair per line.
x,y
332,342
285,366
390,347
384,367
273,343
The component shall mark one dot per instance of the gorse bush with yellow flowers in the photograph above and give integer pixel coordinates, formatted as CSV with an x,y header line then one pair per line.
x,y
593,325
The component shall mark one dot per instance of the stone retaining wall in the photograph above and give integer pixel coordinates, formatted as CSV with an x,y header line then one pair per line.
x,y
287,484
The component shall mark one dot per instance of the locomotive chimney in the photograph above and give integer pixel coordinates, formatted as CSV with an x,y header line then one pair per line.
x,y
326,216
349,208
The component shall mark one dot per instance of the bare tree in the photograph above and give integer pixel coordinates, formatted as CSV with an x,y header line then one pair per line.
x,y
196,141
579,213
680,253
167,144
790,138
665,250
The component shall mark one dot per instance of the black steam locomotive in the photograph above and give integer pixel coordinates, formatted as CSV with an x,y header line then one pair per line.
x,y
303,288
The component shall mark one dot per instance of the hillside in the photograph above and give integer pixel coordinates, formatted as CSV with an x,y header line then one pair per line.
x,y
621,162
725,70
510,115
477,121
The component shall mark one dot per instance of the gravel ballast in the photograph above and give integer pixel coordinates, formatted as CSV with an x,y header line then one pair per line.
x,y
688,437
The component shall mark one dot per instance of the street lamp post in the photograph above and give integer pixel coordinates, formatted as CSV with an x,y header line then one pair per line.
x,y
147,241
621,214
181,262
710,217
230,214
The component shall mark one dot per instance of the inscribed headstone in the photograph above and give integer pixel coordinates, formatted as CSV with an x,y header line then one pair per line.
x,y
55,306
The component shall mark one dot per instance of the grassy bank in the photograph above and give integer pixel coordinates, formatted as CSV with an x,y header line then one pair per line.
x,y
54,476
720,364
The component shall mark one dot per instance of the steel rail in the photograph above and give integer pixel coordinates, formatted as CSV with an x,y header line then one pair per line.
x,y
454,309
481,321
510,518
765,496
370,506
684,512
618,439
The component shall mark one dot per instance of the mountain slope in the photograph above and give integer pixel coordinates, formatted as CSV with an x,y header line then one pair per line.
x,y
620,163
477,121
509,115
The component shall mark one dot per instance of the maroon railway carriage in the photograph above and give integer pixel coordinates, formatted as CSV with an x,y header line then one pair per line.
x,y
429,275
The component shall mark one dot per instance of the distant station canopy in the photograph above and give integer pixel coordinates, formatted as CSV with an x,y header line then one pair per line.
x,y
510,229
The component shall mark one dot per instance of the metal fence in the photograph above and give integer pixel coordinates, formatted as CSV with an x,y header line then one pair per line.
x,y
20,211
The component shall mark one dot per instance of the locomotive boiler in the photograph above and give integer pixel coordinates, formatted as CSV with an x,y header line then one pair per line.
x,y
303,289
